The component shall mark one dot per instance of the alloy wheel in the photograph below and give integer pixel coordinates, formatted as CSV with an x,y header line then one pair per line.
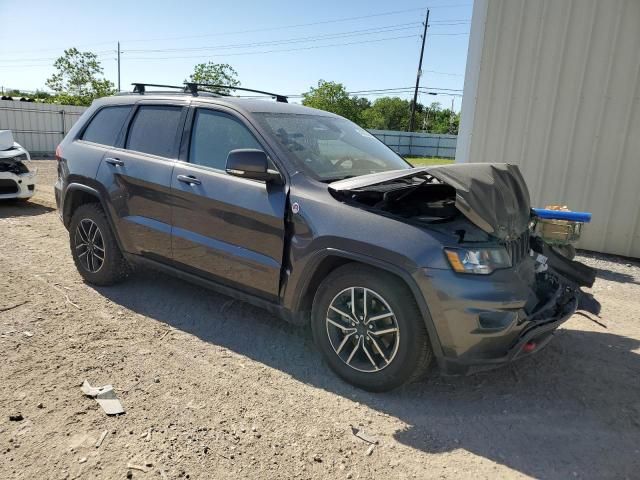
x,y
89,245
362,329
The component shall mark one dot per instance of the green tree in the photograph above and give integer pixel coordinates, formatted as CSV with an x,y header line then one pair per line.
x,y
76,81
215,74
434,119
38,95
387,113
333,97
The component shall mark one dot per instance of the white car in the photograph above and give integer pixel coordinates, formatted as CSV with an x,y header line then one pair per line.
x,y
16,179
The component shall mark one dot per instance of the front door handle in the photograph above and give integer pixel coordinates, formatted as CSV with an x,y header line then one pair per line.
x,y
114,161
190,179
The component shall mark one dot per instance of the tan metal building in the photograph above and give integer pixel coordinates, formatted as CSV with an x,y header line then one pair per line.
x,y
554,86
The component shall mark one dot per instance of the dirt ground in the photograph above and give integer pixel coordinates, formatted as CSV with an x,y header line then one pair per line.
x,y
214,388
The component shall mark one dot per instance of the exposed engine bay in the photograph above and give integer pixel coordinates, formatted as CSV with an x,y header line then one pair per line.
x,y
14,165
421,198
478,203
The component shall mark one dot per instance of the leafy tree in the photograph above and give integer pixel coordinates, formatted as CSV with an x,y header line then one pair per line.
x,y
76,80
436,120
38,95
387,113
333,97
215,74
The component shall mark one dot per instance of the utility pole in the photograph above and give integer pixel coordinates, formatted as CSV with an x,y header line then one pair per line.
x,y
118,65
415,93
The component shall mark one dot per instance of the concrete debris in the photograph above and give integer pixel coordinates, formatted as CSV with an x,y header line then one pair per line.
x,y
363,436
105,396
132,466
101,439
370,449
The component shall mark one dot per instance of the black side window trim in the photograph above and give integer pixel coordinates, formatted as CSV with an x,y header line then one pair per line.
x,y
179,132
185,144
123,128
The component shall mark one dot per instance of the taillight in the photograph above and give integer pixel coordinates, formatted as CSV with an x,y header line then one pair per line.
x,y
59,153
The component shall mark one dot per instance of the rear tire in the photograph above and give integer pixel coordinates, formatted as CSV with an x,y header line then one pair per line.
x,y
94,248
381,361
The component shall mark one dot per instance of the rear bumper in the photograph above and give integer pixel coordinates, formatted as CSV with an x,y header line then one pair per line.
x,y
17,185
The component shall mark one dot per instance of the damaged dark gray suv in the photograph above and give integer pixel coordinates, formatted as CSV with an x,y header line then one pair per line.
x,y
306,214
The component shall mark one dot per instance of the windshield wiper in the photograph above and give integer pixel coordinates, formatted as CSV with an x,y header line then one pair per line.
x,y
335,179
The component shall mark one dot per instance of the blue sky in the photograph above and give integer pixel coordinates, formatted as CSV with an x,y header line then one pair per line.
x,y
284,46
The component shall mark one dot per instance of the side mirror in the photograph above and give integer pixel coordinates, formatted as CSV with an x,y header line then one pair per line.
x,y
251,163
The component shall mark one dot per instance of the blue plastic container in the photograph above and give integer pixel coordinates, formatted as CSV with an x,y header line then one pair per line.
x,y
582,217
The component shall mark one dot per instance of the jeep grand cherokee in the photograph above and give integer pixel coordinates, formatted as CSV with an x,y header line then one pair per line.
x,y
308,215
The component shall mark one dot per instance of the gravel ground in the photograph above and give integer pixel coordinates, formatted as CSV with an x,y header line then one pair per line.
x,y
214,388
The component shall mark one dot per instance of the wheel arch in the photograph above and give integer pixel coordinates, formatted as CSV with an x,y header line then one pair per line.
x,y
77,194
326,261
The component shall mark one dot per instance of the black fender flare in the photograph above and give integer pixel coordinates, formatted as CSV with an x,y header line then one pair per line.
x,y
65,206
320,255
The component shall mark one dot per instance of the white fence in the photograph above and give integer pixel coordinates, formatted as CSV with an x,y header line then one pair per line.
x,y
418,144
38,127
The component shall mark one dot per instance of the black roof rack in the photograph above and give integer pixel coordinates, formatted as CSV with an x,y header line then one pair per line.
x,y
142,87
194,87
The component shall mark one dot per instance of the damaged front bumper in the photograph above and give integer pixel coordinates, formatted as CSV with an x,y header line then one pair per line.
x,y
16,179
14,185
484,322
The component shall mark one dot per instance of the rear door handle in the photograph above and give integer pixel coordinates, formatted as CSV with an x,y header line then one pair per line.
x,y
114,161
190,179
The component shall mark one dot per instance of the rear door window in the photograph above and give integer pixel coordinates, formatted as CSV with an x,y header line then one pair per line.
x,y
154,130
214,135
106,125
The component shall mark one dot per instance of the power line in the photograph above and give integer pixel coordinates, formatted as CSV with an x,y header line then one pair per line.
x,y
282,27
275,51
101,53
367,31
391,90
448,34
346,34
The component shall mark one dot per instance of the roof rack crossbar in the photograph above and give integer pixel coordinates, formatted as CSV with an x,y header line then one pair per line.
x,y
141,87
192,87
277,96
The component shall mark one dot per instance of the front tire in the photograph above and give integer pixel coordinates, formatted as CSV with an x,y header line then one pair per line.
x,y
369,329
94,248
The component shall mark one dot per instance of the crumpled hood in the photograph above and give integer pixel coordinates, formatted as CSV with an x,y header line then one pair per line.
x,y
493,196
10,148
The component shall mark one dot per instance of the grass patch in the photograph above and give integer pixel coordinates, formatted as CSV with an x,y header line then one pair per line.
x,y
427,161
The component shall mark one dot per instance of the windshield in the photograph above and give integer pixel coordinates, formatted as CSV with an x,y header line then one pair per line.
x,y
330,148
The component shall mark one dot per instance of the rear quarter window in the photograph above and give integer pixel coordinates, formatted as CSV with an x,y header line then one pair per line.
x,y
154,130
105,125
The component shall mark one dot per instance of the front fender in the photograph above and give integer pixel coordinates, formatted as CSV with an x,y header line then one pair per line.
x,y
299,283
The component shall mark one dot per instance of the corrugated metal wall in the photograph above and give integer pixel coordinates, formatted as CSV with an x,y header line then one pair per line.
x,y
418,144
38,127
555,88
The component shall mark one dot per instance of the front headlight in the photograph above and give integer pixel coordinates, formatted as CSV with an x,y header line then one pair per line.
x,y
477,260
